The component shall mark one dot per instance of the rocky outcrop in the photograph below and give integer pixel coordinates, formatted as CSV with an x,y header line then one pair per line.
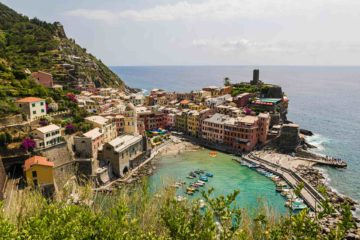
x,y
289,138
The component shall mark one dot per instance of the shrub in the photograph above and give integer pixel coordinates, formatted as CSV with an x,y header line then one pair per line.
x,y
28,144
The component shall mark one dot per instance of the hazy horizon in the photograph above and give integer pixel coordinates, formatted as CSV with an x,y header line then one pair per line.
x,y
208,32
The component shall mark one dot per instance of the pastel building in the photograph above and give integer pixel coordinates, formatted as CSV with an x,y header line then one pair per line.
x,y
216,101
106,125
153,120
39,172
87,144
32,107
193,123
239,133
243,99
181,121
122,151
213,128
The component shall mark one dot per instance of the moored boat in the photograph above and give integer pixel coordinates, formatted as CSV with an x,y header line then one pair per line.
x,y
209,175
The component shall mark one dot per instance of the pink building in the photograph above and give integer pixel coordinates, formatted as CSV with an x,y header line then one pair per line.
x,y
242,99
43,78
240,133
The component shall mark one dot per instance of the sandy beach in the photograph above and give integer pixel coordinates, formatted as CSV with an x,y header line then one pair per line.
x,y
177,146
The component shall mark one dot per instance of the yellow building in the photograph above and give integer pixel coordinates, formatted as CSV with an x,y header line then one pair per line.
x,y
181,121
193,123
39,172
196,107
130,126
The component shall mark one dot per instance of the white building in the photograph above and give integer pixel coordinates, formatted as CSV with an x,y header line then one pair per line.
x,y
47,136
216,101
106,125
32,107
137,99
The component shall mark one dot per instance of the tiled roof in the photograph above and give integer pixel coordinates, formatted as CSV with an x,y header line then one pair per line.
x,y
48,128
37,160
29,100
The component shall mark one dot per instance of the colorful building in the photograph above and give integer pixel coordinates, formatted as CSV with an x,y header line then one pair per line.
x,y
153,120
39,172
181,121
105,125
193,123
32,107
243,99
240,133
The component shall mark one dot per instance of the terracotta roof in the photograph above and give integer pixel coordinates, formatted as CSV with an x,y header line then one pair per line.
x,y
37,160
29,100
185,101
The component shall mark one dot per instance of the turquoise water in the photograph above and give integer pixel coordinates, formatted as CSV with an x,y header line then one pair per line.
x,y
324,100
255,189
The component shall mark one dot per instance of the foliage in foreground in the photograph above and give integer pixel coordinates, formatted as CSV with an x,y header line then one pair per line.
x,y
135,214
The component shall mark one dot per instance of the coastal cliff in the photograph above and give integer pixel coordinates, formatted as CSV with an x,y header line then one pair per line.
x,y
33,45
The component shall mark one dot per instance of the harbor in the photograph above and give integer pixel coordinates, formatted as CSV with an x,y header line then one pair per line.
x,y
256,190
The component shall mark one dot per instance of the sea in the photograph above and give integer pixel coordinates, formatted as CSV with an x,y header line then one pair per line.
x,y
323,99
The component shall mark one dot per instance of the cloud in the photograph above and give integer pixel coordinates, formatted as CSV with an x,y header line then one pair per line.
x,y
246,45
222,10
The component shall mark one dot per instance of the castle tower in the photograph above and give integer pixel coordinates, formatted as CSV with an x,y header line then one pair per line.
x,y
130,120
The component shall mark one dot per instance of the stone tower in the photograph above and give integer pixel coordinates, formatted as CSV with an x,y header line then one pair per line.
x,y
130,120
256,79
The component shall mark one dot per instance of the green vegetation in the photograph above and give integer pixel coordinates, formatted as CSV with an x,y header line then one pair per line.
x,y
244,88
37,45
134,213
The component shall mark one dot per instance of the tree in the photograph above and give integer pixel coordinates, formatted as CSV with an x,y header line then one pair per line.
x,y
227,81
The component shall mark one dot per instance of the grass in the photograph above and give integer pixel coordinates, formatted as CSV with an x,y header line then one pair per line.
x,y
132,212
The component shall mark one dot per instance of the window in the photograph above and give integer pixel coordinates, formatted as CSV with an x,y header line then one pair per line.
x,y
33,104
34,174
42,103
34,112
42,110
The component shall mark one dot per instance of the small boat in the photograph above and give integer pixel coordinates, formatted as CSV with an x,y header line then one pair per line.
x,y
209,174
200,183
190,177
190,189
189,193
281,184
281,188
197,172
298,206
212,154
203,178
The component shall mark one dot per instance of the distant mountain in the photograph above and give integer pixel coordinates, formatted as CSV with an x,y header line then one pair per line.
x,y
37,45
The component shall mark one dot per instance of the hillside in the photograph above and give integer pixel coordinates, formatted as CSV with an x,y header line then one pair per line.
x,y
37,45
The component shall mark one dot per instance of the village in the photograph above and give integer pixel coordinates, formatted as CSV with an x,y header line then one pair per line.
x,y
122,129
122,133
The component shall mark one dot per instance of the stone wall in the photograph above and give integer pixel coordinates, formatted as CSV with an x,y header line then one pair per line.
x,y
2,179
15,119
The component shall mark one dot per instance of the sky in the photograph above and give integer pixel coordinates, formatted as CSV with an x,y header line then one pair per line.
x,y
208,32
